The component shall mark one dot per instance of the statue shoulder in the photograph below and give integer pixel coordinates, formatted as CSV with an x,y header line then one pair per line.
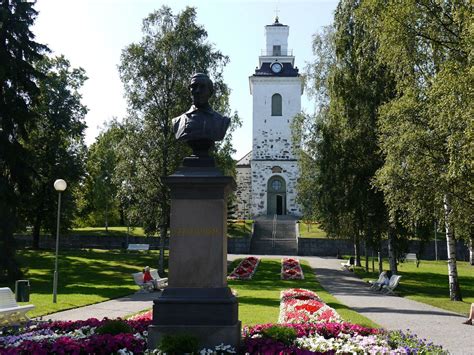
x,y
218,116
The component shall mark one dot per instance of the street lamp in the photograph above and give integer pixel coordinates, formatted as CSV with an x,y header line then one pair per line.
x,y
59,185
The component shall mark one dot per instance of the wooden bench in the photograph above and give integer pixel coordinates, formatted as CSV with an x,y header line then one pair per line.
x,y
138,247
157,283
412,257
10,312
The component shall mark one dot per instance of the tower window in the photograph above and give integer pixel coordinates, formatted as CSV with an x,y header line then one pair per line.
x,y
276,105
277,50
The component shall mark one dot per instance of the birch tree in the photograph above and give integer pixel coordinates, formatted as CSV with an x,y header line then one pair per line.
x,y
156,73
426,131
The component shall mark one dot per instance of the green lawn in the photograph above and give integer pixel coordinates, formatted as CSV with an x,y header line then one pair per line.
x,y
115,231
429,283
91,276
311,230
259,298
239,229
85,276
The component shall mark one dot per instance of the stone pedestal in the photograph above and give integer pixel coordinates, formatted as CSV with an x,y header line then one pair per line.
x,y
197,300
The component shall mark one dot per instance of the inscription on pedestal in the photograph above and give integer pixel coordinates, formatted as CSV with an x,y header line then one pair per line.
x,y
198,250
195,231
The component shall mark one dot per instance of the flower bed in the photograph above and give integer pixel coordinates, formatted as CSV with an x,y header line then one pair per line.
x,y
304,306
309,326
245,270
332,338
316,334
73,337
291,269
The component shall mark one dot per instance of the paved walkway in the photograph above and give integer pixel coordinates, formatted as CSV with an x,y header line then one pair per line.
x,y
119,307
436,325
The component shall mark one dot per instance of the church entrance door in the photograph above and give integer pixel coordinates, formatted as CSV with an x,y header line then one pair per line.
x,y
276,196
279,203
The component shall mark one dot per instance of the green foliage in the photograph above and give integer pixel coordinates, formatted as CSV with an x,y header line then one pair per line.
x,y
114,327
284,335
100,204
55,145
156,73
179,344
339,152
426,129
19,92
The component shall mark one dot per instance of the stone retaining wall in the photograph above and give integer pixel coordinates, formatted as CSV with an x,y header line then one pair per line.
x,y
331,247
234,245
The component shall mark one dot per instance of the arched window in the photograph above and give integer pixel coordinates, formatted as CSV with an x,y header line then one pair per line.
x,y
276,105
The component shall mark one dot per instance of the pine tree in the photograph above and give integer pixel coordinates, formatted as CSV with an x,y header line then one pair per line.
x,y
18,95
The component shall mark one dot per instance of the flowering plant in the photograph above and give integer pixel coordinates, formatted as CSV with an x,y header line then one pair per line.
x,y
304,311
291,269
145,316
299,294
73,337
245,269
332,338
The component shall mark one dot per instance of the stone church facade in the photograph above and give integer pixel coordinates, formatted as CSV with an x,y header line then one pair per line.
x,y
267,176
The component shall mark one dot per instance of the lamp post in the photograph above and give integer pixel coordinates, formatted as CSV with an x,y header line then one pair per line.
x,y
59,185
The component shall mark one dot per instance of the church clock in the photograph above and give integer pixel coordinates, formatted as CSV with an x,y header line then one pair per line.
x,y
276,88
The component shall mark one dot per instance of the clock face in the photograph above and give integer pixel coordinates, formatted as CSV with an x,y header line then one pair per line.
x,y
276,67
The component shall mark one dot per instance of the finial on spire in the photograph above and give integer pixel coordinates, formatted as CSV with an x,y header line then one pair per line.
x,y
276,13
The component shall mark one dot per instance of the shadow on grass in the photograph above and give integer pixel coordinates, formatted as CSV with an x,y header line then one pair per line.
x,y
102,273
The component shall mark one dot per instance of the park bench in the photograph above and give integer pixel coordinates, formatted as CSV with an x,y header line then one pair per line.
x,y
349,265
392,285
138,247
10,312
412,257
160,282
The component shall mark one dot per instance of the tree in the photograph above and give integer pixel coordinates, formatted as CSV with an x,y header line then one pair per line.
x,y
156,73
18,94
100,203
55,145
340,150
426,130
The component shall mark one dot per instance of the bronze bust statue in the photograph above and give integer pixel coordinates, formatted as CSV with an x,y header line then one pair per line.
x,y
200,122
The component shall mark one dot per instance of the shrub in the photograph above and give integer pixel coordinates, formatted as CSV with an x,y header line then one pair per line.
x,y
284,335
114,327
178,344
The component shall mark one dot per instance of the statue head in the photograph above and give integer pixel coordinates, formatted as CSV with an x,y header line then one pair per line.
x,y
201,88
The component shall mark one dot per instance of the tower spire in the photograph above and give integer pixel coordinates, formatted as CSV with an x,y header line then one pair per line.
x,y
276,13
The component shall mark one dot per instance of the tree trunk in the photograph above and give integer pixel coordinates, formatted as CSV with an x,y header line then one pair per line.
x,y
380,260
106,216
356,250
454,289
471,250
392,252
36,232
366,256
161,260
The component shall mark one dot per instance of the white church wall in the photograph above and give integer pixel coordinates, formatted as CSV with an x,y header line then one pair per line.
x,y
261,173
272,134
243,195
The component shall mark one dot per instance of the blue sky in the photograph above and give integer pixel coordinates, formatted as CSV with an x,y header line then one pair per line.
x,y
92,34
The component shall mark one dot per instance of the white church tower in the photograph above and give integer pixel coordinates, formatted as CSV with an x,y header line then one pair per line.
x,y
276,88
